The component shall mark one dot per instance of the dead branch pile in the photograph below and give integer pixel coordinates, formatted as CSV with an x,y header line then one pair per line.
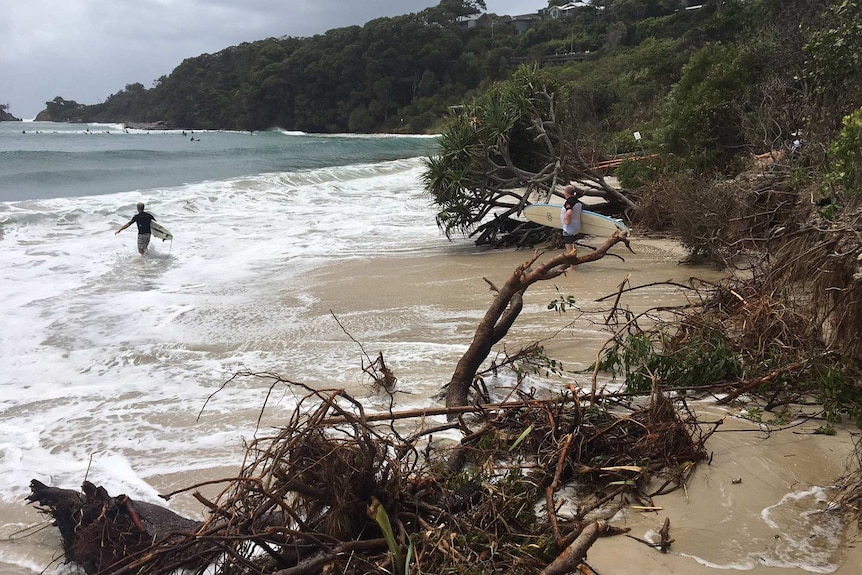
x,y
791,321
796,320
717,219
823,261
334,492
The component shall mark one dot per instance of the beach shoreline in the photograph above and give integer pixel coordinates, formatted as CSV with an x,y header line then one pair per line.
x,y
717,522
755,506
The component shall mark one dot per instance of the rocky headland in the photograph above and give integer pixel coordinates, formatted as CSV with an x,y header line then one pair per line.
x,y
6,116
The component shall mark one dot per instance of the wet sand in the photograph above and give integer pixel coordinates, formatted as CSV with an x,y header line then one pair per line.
x,y
453,285
737,512
718,522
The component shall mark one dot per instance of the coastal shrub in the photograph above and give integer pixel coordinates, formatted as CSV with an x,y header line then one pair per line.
x,y
836,392
636,173
834,45
700,119
845,176
683,360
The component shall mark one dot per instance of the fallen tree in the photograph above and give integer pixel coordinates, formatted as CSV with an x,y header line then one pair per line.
x,y
101,532
514,143
333,492
506,307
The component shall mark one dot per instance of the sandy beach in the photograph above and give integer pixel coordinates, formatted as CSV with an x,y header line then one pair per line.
x,y
754,507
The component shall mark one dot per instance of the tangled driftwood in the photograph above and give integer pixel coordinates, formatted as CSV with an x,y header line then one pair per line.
x,y
334,492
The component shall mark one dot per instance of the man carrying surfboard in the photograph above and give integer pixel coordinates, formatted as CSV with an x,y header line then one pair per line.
x,y
570,216
143,220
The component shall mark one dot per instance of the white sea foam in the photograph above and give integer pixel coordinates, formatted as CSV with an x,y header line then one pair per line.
x,y
110,356
807,535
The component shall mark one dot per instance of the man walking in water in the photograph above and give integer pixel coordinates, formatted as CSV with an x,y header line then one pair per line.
x,y
570,216
143,220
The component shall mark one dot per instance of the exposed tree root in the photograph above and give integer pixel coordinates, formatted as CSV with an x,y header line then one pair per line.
x,y
333,492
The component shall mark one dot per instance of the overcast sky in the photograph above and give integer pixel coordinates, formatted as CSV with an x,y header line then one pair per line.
x,y
86,50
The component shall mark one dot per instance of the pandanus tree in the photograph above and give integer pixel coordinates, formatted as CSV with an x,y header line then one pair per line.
x,y
505,147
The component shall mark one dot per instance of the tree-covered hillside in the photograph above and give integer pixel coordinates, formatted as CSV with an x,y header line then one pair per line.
x,y
403,73
706,91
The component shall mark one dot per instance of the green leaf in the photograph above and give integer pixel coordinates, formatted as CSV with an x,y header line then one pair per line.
x,y
521,438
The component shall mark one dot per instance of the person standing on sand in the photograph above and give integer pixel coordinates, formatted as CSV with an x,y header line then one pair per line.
x,y
570,216
143,220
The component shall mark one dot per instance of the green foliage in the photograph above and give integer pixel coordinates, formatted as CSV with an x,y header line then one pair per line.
x,y
756,413
636,173
451,175
317,84
613,96
378,513
560,303
534,361
700,360
60,110
835,49
464,176
521,438
753,413
360,120
700,122
837,393
844,178
381,69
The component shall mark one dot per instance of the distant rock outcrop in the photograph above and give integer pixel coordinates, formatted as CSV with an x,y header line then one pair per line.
x,y
160,125
6,116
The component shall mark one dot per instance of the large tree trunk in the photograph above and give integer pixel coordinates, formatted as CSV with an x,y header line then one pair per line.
x,y
101,532
505,309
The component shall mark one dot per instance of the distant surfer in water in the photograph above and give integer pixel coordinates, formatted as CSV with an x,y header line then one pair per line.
x,y
143,220
570,216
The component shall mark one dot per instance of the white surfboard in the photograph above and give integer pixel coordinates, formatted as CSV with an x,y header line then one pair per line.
x,y
592,224
160,231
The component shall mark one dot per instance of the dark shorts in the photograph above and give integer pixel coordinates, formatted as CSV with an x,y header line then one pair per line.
x,y
567,239
143,241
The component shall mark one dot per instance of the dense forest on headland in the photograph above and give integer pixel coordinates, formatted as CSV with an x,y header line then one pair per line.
x,y
402,74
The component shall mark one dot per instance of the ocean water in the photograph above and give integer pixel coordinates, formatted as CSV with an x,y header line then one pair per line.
x,y
289,251
107,358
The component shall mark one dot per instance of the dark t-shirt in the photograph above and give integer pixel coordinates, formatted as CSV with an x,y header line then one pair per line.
x,y
143,220
573,228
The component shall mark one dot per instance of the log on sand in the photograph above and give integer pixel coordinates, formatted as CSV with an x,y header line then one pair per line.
x,y
568,560
99,530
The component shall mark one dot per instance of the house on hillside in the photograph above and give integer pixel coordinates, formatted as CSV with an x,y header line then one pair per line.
x,y
475,21
524,22
567,10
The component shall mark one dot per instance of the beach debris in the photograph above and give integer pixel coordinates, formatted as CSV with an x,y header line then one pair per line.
x,y
332,491
101,532
505,308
